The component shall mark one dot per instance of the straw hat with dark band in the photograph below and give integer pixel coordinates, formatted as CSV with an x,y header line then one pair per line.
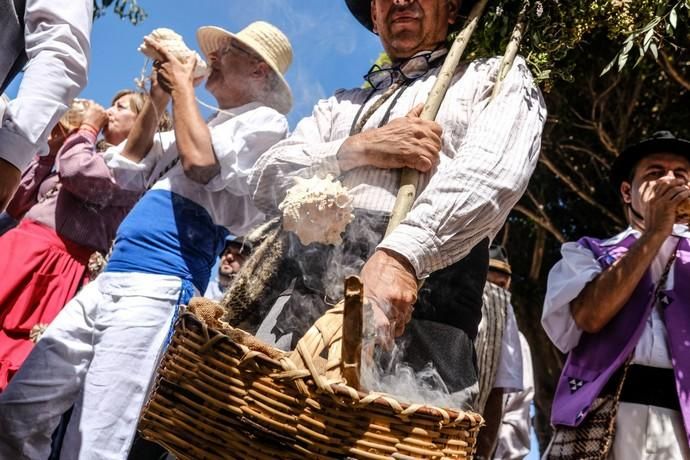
x,y
361,10
498,259
265,40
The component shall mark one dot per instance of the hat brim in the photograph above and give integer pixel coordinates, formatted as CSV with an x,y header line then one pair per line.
x,y
361,10
500,266
210,39
245,246
624,164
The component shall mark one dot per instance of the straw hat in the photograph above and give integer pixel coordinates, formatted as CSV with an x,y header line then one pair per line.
x,y
361,10
498,259
265,40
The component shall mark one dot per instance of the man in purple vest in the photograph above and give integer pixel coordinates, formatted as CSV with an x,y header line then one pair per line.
x,y
601,308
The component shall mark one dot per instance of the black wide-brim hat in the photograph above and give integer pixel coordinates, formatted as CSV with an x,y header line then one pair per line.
x,y
659,142
361,10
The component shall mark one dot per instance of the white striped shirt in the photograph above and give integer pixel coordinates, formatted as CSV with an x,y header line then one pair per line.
x,y
488,155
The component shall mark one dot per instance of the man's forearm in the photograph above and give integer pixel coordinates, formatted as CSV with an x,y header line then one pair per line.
x,y
193,138
9,180
603,297
140,139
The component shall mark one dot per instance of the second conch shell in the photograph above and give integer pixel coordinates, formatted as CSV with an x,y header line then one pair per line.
x,y
173,42
683,211
317,210
75,114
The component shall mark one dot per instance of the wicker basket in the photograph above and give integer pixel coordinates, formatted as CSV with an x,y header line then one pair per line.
x,y
218,398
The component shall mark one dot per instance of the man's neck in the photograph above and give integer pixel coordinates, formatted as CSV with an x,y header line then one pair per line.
x,y
224,281
395,60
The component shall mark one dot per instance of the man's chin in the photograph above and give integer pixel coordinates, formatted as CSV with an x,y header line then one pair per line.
x,y
404,45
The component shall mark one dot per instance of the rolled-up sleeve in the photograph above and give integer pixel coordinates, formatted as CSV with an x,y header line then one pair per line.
x,y
138,176
469,197
306,153
566,280
239,143
86,174
57,36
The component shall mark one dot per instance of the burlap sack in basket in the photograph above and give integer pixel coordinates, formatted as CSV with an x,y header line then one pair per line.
x,y
225,395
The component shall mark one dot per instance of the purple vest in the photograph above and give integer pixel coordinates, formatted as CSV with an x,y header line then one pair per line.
x,y
596,358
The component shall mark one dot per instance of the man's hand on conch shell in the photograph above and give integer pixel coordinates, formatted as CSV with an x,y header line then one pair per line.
x,y
172,73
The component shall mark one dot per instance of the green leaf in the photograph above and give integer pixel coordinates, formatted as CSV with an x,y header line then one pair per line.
x,y
609,66
622,60
628,46
652,24
647,39
673,18
654,50
640,57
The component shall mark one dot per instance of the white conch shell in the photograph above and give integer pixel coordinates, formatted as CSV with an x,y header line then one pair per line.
x,y
173,42
317,210
75,114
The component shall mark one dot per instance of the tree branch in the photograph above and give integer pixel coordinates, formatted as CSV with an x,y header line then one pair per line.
x,y
543,223
586,151
585,196
671,71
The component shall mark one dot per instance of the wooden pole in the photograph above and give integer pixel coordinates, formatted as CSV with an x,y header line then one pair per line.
x,y
351,356
511,49
408,179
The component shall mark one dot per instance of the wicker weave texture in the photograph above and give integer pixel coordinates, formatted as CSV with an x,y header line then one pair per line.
x,y
217,399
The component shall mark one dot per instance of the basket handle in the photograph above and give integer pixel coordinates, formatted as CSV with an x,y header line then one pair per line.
x,y
351,353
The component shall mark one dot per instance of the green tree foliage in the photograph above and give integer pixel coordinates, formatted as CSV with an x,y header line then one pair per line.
x,y
125,9
560,32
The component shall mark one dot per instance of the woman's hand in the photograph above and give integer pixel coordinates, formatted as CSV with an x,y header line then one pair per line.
x,y
95,116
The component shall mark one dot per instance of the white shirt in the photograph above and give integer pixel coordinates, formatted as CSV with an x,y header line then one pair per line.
x,y
488,154
214,291
509,370
577,268
514,441
239,136
57,34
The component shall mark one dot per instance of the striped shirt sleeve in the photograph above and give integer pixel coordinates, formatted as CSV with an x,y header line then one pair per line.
x,y
469,197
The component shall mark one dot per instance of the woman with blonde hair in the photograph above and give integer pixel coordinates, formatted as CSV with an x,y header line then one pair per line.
x,y
69,204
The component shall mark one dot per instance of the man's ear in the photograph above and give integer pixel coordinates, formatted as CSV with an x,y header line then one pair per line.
x,y
261,70
453,8
626,192
372,12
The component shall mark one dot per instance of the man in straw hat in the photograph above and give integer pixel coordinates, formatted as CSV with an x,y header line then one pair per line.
x,y
626,299
100,352
475,161
505,388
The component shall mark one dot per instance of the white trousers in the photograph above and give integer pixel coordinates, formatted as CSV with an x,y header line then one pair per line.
x,y
648,433
99,354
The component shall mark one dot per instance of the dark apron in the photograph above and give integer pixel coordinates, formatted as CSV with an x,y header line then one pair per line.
x,y
446,315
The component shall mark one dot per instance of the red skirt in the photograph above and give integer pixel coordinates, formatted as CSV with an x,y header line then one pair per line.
x,y
39,273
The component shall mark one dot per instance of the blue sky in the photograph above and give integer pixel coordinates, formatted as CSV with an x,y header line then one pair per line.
x,y
331,49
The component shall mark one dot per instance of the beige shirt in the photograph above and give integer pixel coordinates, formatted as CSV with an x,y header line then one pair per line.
x,y
488,155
